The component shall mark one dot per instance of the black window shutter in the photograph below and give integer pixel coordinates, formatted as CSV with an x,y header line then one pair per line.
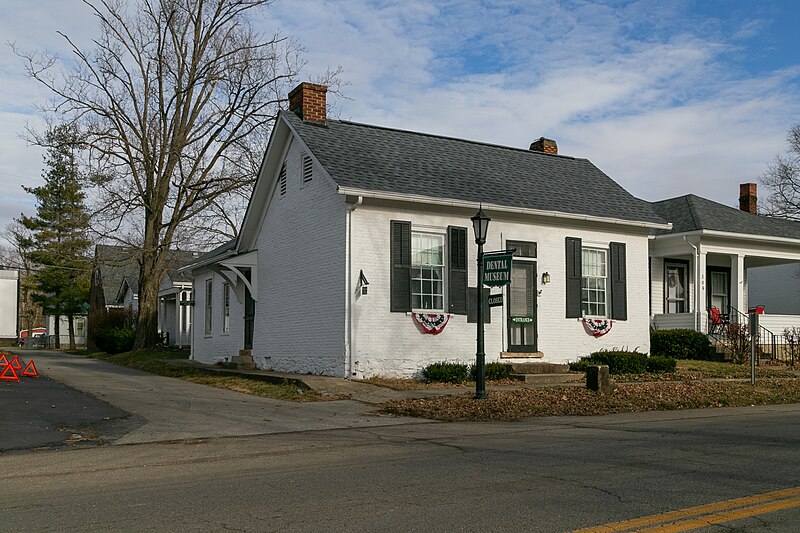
x,y
401,266
618,293
457,270
574,276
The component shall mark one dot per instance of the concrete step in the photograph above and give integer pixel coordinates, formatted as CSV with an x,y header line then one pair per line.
x,y
244,362
549,379
539,368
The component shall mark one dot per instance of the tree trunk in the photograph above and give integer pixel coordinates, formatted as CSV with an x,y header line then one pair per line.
x,y
149,281
71,322
57,331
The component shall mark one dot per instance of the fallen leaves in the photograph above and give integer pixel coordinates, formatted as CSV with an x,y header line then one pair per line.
x,y
508,405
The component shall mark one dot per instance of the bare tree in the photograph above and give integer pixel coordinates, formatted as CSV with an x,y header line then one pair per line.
x,y
169,100
782,179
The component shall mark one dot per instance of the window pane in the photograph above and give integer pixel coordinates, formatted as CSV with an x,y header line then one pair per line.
x,y
427,273
593,284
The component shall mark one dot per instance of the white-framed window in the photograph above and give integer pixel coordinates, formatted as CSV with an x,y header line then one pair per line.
x,y
594,282
226,308
427,271
80,326
209,306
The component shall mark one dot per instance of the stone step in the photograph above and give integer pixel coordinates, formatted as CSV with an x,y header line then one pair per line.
x,y
549,379
244,362
539,368
246,353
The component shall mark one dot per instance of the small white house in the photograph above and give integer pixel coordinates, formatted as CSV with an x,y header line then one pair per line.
x,y
357,255
79,323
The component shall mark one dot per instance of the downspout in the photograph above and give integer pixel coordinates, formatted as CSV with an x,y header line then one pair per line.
x,y
696,282
349,298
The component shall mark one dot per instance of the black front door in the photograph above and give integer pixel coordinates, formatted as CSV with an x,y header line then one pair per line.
x,y
249,316
522,319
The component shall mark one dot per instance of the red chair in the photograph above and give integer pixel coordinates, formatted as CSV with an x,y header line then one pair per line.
x,y
717,321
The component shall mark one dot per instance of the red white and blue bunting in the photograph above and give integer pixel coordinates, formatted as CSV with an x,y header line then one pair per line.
x,y
432,323
597,326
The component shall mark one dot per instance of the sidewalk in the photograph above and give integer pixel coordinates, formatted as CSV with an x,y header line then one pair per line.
x,y
359,391
348,388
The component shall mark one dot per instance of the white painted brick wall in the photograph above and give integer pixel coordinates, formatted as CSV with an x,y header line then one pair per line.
x,y
217,346
300,318
389,344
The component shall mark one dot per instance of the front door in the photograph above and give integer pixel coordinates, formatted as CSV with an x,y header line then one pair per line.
x,y
249,316
675,287
522,320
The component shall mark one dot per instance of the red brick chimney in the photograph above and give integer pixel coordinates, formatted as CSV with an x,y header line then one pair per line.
x,y
308,101
748,197
547,146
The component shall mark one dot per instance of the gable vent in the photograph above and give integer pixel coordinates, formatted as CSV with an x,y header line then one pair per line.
x,y
282,179
308,166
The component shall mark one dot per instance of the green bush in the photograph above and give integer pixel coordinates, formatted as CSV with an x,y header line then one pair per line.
x,y
659,363
446,372
618,361
492,371
681,344
115,340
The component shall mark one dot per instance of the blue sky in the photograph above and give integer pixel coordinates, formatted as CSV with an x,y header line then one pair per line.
x,y
667,98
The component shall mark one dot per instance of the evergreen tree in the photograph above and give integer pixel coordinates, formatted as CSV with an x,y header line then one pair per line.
x,y
59,233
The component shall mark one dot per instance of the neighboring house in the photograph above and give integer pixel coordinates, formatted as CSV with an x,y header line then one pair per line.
x,y
721,246
80,322
115,285
9,306
175,301
357,241
116,270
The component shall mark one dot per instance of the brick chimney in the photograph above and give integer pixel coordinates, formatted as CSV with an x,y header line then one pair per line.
x,y
748,197
547,146
308,101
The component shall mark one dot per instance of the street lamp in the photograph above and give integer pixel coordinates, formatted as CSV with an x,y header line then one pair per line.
x,y
480,223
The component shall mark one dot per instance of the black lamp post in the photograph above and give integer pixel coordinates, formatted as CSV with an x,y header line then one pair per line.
x,y
480,223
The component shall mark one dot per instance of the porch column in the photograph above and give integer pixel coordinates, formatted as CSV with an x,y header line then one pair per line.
x,y
737,282
178,340
700,292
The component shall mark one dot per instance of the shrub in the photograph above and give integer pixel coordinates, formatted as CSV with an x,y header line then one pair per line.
x,y
681,344
492,371
659,363
618,361
445,372
115,340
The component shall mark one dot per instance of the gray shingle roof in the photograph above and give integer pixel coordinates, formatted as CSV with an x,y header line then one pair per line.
x,y
692,213
386,160
118,264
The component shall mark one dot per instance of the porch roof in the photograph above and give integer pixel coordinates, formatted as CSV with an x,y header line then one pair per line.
x,y
693,213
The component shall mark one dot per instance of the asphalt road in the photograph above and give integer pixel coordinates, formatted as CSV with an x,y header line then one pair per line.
x,y
169,409
554,474
208,459
38,412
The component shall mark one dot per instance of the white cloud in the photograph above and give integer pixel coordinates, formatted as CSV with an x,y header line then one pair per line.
x,y
656,95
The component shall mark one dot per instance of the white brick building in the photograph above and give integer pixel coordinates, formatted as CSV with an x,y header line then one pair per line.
x,y
353,229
